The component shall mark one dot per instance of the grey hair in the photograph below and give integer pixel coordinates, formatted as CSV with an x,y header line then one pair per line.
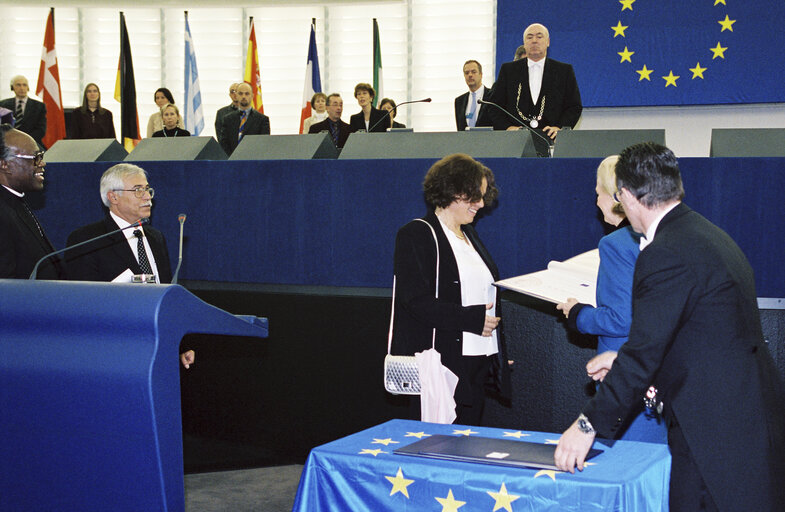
x,y
113,178
16,78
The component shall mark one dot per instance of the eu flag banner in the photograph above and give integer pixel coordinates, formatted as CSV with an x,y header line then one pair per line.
x,y
669,52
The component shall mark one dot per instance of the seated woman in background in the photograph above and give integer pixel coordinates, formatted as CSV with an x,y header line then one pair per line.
x,y
91,120
612,317
163,97
464,319
171,117
389,105
369,119
319,107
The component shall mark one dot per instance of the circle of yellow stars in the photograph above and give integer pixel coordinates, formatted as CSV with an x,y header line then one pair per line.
x,y
670,79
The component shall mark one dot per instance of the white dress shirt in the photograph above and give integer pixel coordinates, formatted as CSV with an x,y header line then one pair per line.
x,y
535,78
126,276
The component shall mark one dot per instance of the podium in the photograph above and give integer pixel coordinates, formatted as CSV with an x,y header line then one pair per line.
x,y
90,402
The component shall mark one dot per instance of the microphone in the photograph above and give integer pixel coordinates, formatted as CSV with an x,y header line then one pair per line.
x,y
426,100
137,224
181,220
518,121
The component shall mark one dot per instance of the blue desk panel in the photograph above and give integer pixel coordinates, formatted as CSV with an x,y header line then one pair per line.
x,y
360,472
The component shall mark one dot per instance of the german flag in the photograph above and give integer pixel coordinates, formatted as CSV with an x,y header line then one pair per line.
x,y
125,92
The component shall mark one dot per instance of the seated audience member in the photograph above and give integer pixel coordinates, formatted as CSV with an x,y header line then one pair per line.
x,y
244,121
338,130
163,97
390,106
172,119
91,120
319,107
369,118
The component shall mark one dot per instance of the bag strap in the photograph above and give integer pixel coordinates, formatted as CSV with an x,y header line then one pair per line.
x,y
436,294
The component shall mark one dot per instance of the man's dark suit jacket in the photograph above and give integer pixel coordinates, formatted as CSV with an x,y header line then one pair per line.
x,y
344,130
219,118
256,124
357,121
696,336
562,98
34,121
107,258
417,311
483,111
21,244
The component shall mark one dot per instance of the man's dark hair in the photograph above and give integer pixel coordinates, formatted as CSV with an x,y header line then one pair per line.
x,y
651,173
333,95
455,177
472,61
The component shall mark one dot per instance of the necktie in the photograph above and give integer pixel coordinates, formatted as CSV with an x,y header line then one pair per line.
x,y
333,131
472,117
144,263
19,113
243,119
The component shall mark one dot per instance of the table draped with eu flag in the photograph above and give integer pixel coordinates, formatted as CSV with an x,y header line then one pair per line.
x,y
361,472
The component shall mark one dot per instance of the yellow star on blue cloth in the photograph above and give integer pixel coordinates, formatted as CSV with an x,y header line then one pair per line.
x,y
697,71
385,442
625,55
450,504
516,435
670,79
644,73
466,432
503,499
626,4
619,29
547,472
551,441
367,451
719,2
418,435
718,51
727,24
400,483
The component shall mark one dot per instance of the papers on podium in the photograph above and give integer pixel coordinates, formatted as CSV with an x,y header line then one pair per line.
x,y
575,277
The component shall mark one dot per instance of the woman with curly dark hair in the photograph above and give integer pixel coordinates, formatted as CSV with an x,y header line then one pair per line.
x,y
466,313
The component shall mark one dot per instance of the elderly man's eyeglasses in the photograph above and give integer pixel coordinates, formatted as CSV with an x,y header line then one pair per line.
x,y
36,157
139,192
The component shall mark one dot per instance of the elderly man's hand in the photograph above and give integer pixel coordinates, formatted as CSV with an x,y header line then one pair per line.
x,y
572,448
599,365
188,358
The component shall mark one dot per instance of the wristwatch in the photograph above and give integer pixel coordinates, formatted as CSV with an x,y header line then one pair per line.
x,y
584,425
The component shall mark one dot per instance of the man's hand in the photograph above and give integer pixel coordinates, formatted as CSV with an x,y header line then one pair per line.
x,y
490,322
572,448
599,365
551,131
512,128
565,307
188,358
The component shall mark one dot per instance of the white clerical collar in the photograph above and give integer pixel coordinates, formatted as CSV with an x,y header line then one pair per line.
x,y
14,192
649,237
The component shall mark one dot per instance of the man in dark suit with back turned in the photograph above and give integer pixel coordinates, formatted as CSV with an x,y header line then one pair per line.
x,y
224,111
22,239
29,114
467,111
696,337
246,117
539,91
338,130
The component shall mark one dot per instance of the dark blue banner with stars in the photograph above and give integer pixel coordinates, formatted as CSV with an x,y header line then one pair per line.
x,y
664,52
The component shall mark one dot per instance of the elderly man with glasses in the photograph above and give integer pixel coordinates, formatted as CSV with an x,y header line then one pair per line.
x,y
23,241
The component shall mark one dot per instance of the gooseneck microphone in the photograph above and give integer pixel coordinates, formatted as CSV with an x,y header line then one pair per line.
x,y
377,123
518,121
137,224
181,220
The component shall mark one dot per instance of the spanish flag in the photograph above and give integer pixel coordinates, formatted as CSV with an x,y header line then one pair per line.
x,y
252,75
125,92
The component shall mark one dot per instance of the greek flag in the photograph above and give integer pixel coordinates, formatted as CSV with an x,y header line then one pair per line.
x,y
193,117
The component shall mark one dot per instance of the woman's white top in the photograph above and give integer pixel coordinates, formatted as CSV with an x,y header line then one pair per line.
x,y
476,288
316,117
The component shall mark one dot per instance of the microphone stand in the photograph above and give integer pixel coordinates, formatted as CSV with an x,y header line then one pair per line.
x,y
181,220
524,125
377,123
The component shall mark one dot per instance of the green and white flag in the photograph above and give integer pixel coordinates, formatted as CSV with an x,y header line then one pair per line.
x,y
377,65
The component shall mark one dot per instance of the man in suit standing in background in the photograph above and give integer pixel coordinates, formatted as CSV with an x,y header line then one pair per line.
x,y
224,111
244,121
696,337
338,130
539,91
29,114
469,113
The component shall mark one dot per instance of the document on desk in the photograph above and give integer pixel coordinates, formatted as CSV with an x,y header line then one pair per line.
x,y
575,277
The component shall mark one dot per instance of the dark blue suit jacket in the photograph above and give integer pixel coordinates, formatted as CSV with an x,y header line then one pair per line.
x,y
256,124
34,121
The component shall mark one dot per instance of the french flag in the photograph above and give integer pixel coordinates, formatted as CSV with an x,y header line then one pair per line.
x,y
313,80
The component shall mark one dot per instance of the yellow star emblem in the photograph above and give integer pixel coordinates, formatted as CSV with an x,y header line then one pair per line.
x,y
385,442
619,29
466,432
644,73
719,2
366,451
727,24
718,51
670,79
626,4
503,500
418,435
516,435
450,504
697,71
625,55
551,441
547,472
399,483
